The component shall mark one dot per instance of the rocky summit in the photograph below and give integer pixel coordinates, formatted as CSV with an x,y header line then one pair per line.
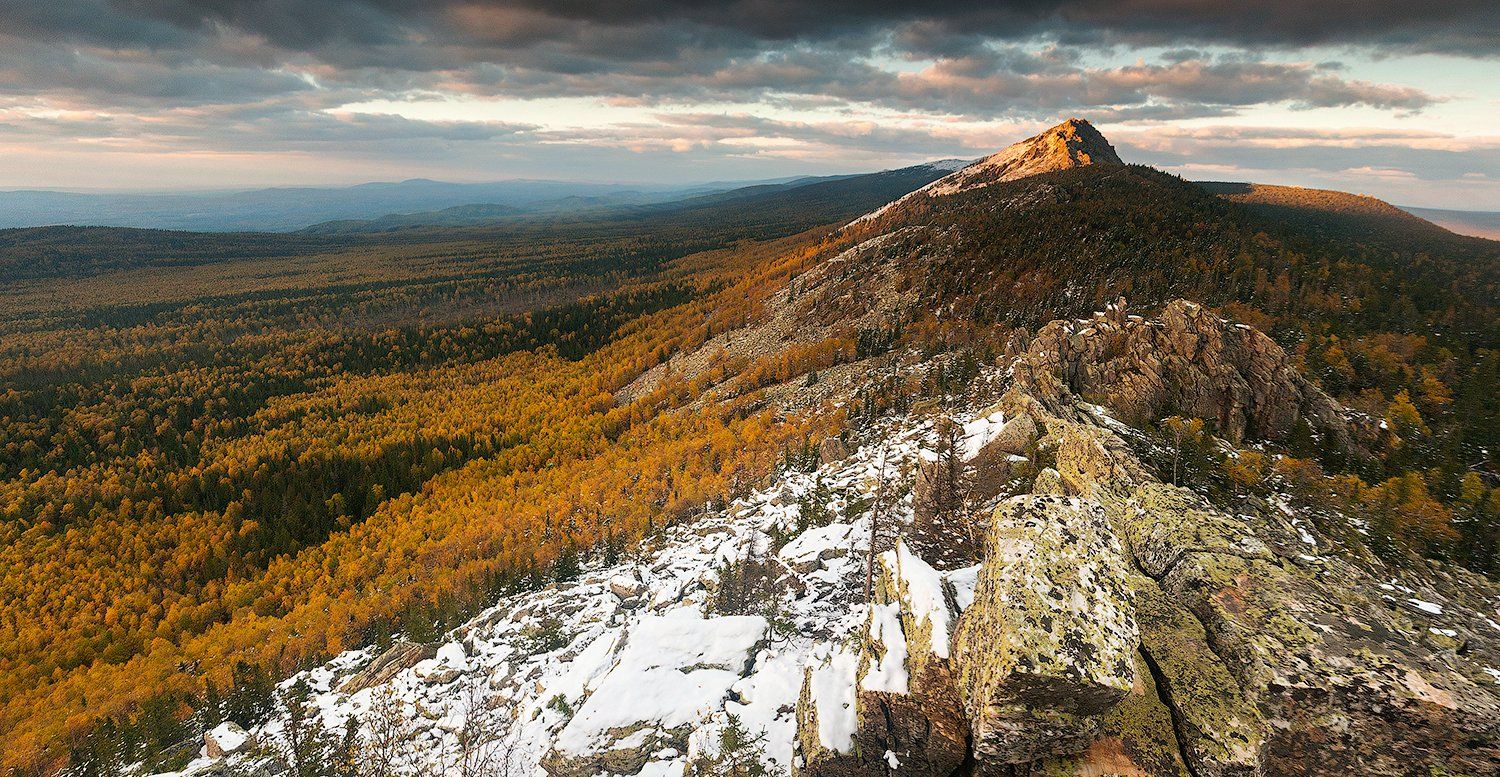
x,y
1073,143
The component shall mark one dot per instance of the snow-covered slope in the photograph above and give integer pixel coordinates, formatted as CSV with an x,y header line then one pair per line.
x,y
628,668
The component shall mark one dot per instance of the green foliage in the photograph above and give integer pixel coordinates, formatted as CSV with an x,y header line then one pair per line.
x,y
741,754
560,705
544,636
306,745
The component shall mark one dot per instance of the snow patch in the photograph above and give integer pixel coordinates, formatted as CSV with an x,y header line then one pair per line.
x,y
1427,607
672,670
888,673
831,687
923,587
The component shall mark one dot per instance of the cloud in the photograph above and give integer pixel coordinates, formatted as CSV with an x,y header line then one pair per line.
x,y
710,81
1466,27
1268,153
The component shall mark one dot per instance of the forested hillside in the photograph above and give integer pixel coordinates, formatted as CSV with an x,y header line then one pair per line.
x,y
255,463
225,463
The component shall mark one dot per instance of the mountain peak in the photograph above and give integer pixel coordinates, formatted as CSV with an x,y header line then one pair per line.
x,y
1079,142
1073,143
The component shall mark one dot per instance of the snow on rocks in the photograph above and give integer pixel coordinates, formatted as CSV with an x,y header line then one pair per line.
x,y
886,669
1429,608
921,591
626,670
448,665
812,548
225,738
671,672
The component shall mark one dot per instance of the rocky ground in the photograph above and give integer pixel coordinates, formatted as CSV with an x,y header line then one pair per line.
x,y
1115,623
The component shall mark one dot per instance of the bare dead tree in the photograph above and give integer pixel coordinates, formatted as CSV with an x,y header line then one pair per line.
x,y
387,736
875,511
482,749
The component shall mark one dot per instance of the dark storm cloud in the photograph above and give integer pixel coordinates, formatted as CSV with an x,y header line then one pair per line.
x,y
1456,26
664,50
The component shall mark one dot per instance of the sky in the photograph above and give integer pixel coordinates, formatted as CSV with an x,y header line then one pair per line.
x,y
1395,99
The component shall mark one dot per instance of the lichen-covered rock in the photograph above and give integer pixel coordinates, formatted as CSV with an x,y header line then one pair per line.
x,y
1136,739
1338,682
1049,481
1220,732
1049,641
1170,523
1092,462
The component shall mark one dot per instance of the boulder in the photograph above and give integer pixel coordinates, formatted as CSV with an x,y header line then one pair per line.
x,y
900,712
1049,481
395,660
626,586
225,739
1017,435
1049,642
812,549
832,449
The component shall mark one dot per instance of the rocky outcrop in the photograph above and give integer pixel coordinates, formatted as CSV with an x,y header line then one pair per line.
x,y
1048,644
1122,625
1188,362
1271,668
396,659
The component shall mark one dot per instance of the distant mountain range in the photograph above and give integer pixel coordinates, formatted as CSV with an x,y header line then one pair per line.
x,y
366,207
420,203
292,208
